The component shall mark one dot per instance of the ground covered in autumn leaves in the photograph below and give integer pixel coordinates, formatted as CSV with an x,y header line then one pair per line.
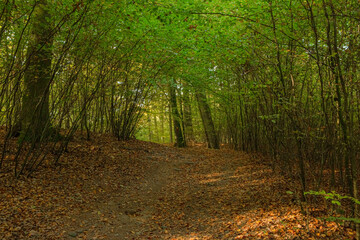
x,y
106,189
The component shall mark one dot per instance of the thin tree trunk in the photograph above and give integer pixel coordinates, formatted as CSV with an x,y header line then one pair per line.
x,y
187,117
178,128
211,136
170,126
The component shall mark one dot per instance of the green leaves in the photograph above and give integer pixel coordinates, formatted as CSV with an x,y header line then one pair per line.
x,y
332,195
335,199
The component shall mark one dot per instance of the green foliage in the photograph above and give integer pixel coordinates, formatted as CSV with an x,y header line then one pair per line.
x,y
335,199
267,68
333,196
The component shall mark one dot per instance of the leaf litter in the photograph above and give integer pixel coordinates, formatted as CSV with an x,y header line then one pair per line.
x,y
106,189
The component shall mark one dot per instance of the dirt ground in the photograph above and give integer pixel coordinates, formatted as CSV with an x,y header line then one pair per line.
x,y
106,189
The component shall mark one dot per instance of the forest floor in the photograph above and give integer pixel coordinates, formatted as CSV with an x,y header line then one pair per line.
x,y
106,189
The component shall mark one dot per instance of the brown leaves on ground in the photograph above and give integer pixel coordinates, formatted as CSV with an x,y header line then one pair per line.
x,y
230,195
105,189
41,206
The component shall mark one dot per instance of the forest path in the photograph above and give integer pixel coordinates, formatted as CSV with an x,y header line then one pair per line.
x,y
130,212
194,193
182,194
108,189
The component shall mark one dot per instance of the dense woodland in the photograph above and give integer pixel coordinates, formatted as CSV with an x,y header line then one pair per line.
x,y
278,78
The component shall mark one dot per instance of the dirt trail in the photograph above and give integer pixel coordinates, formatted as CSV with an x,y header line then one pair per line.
x,y
191,193
130,212
197,193
106,189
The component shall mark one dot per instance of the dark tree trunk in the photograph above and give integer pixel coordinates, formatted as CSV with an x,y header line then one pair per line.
x,y
170,125
35,123
178,129
211,136
187,117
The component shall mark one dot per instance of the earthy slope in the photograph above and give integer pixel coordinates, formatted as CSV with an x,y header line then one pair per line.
x,y
107,189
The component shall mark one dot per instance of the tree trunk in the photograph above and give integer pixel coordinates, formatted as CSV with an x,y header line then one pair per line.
x,y
178,129
212,138
162,120
170,125
35,123
187,117
156,130
150,131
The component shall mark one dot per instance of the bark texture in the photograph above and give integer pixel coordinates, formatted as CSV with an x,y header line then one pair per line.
x,y
35,123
